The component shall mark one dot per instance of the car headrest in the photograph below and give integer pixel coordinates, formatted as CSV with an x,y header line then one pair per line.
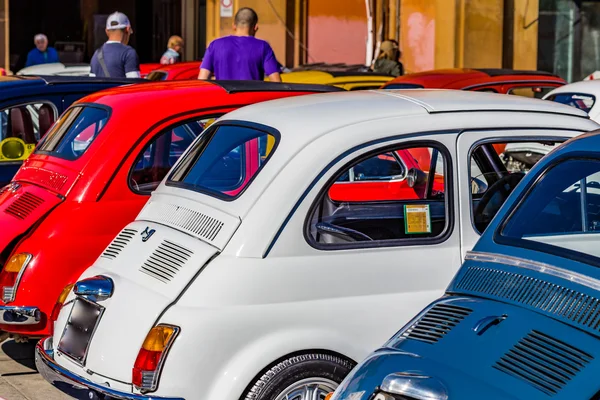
x,y
22,124
46,118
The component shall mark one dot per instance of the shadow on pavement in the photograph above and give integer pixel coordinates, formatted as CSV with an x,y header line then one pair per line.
x,y
23,353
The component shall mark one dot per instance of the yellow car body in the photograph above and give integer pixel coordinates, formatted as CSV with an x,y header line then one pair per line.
x,y
341,79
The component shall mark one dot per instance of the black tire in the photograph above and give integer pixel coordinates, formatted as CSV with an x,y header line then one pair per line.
x,y
297,368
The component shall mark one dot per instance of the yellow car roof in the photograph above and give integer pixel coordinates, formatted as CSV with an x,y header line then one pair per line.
x,y
347,80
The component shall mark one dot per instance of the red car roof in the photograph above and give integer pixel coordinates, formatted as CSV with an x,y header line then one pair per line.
x,y
465,78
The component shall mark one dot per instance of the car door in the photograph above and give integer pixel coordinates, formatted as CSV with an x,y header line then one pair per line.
x,y
373,260
517,150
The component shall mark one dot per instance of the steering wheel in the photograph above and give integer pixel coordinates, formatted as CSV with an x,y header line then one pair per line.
x,y
347,234
504,187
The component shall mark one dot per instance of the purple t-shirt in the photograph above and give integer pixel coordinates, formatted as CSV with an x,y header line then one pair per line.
x,y
240,58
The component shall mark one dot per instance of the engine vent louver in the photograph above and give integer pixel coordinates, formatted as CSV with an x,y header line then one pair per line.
x,y
436,323
557,300
192,221
164,263
119,243
24,205
544,362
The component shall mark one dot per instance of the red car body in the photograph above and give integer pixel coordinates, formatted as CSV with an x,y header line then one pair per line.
x,y
176,72
64,211
146,68
492,80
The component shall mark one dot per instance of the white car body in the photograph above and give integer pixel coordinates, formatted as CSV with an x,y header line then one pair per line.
x,y
257,291
584,88
57,69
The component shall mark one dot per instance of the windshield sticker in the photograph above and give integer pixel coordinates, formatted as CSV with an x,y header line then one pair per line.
x,y
417,219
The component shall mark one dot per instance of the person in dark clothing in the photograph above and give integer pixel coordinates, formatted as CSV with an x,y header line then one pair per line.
x,y
115,59
388,61
42,54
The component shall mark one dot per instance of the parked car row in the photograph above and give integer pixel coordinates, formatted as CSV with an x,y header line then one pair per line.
x,y
255,240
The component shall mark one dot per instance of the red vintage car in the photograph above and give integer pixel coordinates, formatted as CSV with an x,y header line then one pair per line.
x,y
506,81
146,68
175,72
91,175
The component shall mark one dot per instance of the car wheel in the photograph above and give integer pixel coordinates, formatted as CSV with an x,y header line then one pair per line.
x,y
302,377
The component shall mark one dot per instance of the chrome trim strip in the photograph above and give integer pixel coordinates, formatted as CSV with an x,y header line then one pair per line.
x,y
543,268
19,315
54,373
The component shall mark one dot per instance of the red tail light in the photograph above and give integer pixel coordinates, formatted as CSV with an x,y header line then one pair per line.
x,y
11,275
152,355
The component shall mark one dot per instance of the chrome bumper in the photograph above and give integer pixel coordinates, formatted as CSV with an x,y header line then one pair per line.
x,y
58,376
19,315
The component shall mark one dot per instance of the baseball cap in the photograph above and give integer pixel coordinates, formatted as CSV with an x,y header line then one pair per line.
x,y
117,20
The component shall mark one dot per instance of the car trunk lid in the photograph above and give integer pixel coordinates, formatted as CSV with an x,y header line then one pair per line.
x,y
22,205
150,264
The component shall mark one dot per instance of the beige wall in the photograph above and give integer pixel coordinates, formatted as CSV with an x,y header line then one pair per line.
x,y
525,34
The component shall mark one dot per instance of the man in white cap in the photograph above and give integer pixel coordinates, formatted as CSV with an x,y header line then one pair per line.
x,y
115,59
42,54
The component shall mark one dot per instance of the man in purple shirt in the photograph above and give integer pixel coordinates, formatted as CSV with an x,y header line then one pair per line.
x,y
240,56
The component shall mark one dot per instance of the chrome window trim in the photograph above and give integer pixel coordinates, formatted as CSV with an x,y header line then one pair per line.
x,y
536,266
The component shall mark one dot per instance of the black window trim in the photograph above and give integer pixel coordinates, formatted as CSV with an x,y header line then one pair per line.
x,y
448,197
207,137
497,140
561,252
77,105
158,134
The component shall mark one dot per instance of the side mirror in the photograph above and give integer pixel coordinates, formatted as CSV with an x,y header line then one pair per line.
x,y
415,177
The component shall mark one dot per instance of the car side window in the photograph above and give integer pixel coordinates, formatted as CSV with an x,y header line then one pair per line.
x,y
496,169
161,153
397,196
22,126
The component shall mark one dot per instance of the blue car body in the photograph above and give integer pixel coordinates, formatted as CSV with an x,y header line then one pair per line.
x,y
60,91
521,319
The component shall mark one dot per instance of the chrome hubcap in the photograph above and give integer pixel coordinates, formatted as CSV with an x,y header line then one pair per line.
x,y
308,389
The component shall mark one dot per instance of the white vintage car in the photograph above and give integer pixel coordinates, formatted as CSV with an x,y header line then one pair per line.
x,y
582,95
290,240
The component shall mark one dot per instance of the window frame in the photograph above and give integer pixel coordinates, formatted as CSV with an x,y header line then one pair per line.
x,y
156,136
512,139
417,241
545,248
79,105
205,139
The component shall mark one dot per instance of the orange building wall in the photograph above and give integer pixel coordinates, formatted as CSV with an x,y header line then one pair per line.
x,y
417,40
337,31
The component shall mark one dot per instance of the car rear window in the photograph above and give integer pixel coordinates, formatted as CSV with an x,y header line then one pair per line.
x,y
156,76
224,162
74,132
561,213
582,101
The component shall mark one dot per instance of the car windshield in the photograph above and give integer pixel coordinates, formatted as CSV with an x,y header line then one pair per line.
x,y
156,76
74,132
561,214
582,101
225,161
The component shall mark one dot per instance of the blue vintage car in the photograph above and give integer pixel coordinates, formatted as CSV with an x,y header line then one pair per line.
x,y
29,105
521,319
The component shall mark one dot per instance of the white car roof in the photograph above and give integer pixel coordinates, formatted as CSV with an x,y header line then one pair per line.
x,y
322,113
56,69
583,87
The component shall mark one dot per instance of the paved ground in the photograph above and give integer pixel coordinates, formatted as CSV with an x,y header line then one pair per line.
x,y
19,379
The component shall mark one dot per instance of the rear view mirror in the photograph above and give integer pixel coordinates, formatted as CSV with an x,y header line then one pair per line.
x,y
415,177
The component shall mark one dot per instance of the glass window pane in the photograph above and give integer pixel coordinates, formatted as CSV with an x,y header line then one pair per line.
x,y
584,102
562,210
393,195
225,163
75,132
